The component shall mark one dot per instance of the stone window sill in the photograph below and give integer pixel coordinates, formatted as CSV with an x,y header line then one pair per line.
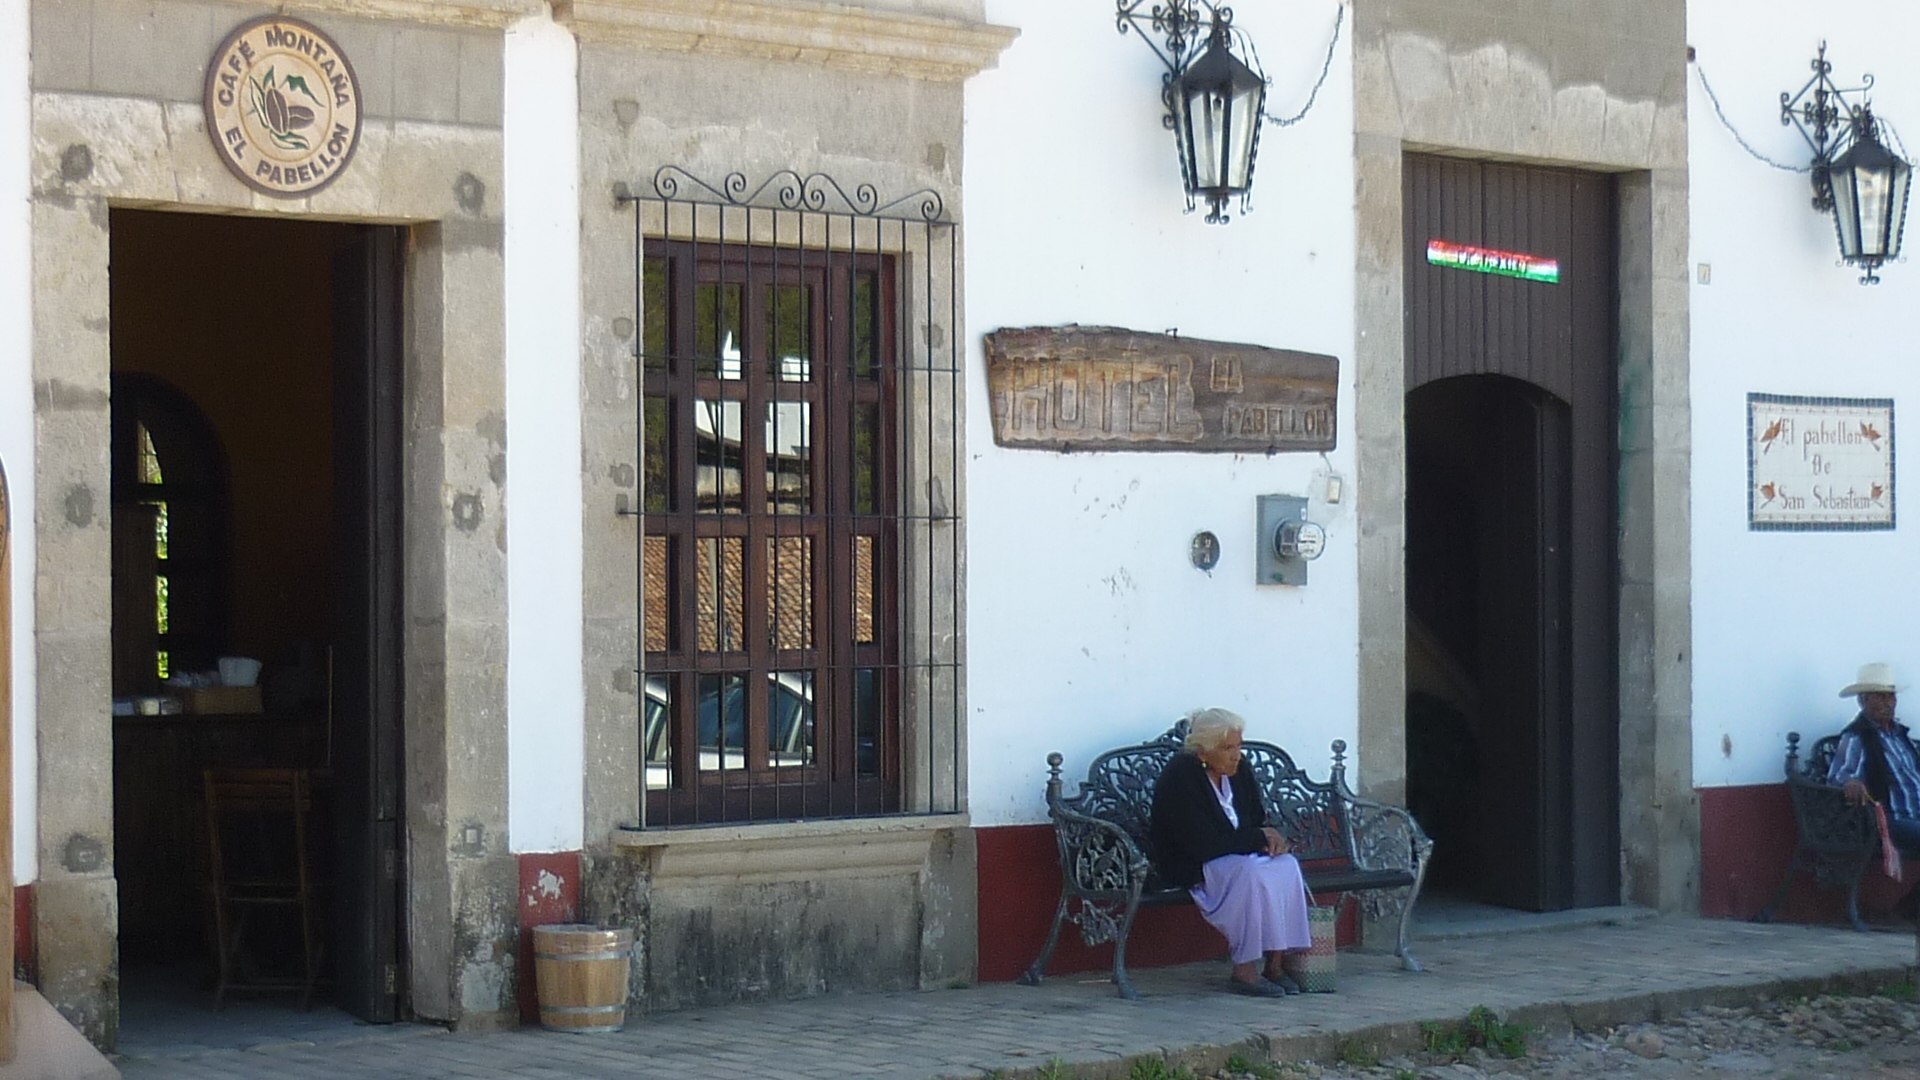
x,y
789,850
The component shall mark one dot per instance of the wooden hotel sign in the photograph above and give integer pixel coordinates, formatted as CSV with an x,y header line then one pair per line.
x,y
283,106
1105,388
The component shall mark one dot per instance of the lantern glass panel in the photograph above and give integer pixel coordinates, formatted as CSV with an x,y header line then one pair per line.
x,y
1869,199
1897,206
1243,115
1207,127
1873,188
1846,213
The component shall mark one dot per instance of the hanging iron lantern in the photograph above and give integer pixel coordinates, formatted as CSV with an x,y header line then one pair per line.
x,y
1855,177
1215,98
1869,186
1217,104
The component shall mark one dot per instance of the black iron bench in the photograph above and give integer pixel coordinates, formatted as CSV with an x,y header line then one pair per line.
x,y
1345,844
1834,842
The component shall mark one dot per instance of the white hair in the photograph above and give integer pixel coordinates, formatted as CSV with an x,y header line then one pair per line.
x,y
1208,728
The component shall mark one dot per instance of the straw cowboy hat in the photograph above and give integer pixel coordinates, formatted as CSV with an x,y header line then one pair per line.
x,y
1872,679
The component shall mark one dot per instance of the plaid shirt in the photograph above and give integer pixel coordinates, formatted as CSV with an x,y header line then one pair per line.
x,y
1850,763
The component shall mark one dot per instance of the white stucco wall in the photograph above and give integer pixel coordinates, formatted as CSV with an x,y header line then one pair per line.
x,y
545,703
1087,626
1782,620
16,411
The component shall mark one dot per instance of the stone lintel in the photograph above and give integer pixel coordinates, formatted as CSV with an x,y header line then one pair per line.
x,y
478,14
831,35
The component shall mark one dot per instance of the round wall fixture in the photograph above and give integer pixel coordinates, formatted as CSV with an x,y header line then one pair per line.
x,y
1204,551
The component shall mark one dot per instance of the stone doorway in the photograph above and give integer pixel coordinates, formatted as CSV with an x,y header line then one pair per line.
x,y
1512,734
256,381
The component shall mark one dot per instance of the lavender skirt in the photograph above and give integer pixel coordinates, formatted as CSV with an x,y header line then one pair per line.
x,y
1258,901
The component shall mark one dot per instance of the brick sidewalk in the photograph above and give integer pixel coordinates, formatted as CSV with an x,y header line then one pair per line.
x,y
1589,975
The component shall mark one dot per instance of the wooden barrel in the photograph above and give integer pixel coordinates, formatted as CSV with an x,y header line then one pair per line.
x,y
581,973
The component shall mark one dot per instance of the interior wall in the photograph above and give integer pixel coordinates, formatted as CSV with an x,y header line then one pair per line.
x,y
237,314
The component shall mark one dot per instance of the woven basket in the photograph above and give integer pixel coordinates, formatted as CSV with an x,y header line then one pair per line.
x,y
1317,971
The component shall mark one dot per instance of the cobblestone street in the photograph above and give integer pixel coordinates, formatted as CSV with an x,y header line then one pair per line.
x,y
1875,1036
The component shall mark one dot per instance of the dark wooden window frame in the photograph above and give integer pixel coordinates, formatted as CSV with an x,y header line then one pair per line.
x,y
854,766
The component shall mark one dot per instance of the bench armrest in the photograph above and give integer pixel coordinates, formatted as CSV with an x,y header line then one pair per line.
x,y
1386,837
1098,860
1827,823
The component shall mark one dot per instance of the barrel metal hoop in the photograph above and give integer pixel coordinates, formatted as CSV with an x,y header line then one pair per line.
x,y
616,954
579,1010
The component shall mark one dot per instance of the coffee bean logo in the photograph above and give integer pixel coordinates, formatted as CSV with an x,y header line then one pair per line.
x,y
284,121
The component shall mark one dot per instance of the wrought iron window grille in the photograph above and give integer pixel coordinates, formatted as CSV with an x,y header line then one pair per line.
x,y
801,526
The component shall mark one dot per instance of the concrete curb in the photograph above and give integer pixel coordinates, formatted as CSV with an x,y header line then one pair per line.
x,y
1549,1019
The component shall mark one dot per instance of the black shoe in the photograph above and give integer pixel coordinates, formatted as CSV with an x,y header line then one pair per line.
x,y
1256,988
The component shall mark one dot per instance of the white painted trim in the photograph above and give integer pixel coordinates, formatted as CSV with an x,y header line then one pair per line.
x,y
16,413
545,695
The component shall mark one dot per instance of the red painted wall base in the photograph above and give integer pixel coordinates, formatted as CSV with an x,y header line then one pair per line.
x,y
549,893
23,960
1019,888
1746,842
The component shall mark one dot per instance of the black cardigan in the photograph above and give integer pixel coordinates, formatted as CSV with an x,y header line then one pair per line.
x,y
1189,829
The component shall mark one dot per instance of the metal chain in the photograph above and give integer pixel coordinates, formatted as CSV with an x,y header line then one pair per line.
x,y
1731,130
1340,17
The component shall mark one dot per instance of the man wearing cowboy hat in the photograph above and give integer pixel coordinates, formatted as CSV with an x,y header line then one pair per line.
x,y
1875,762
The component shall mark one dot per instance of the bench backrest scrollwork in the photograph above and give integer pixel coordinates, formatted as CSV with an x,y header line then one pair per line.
x,y
1313,815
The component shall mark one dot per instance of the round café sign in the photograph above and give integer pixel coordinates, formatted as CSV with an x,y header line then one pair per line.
x,y
283,106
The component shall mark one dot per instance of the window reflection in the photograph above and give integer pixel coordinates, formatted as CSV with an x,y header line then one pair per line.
x,y
866,323
790,730
722,721
658,476
656,749
717,331
718,470
789,449
790,331
866,459
790,592
863,590
658,580
720,612
656,305
866,722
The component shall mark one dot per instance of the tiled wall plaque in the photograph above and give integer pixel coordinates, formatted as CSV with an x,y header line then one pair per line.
x,y
1104,388
1818,463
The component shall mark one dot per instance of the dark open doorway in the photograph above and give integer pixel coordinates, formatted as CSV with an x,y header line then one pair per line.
x,y
1512,605
256,474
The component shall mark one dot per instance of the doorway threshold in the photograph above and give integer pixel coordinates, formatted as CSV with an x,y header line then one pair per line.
x,y
166,1014
1444,917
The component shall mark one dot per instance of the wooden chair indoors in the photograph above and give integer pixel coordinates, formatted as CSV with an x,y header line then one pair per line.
x,y
258,862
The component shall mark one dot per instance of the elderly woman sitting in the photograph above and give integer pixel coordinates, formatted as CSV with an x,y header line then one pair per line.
x,y
1210,834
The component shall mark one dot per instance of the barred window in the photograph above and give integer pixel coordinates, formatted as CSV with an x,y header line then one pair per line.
x,y
769,603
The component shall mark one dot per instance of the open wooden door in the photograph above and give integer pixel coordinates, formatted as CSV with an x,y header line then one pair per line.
x,y
366,667
6,766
